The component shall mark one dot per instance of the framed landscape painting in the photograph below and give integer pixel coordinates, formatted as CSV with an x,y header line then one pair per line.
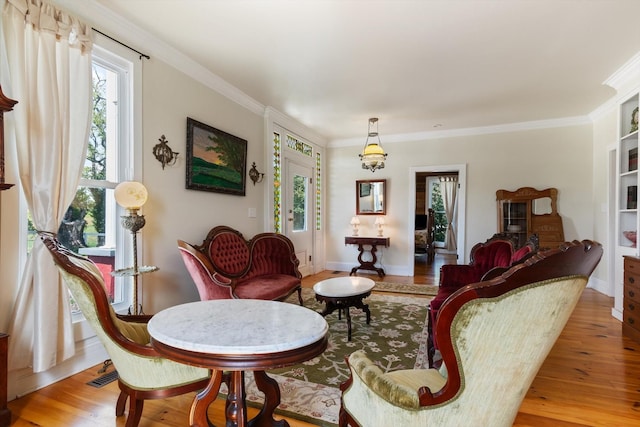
x,y
216,160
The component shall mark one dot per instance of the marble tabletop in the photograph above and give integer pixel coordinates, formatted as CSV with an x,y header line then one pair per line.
x,y
237,326
337,287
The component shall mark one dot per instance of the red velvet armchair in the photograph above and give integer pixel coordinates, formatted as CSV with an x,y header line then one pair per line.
x,y
227,266
487,260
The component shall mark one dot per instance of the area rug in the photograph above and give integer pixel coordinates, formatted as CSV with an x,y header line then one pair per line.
x,y
404,288
395,339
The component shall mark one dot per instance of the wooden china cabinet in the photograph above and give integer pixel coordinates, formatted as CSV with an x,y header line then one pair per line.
x,y
528,211
6,104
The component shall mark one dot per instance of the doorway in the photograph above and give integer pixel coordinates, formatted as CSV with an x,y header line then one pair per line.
x,y
418,203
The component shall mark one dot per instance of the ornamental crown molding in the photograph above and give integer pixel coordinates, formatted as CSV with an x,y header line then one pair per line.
x,y
628,74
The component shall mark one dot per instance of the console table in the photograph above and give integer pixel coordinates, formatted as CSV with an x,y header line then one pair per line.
x,y
374,242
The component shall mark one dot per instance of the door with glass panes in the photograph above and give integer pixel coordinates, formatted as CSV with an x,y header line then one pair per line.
x,y
299,213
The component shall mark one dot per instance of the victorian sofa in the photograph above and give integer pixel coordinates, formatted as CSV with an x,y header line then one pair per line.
x,y
227,266
494,337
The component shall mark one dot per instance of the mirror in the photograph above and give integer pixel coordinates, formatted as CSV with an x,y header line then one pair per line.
x,y
542,206
370,197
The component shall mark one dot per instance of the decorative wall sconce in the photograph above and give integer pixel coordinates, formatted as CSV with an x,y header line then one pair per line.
x,y
164,154
380,223
254,174
355,222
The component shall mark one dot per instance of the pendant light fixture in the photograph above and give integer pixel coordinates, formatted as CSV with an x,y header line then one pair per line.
x,y
373,156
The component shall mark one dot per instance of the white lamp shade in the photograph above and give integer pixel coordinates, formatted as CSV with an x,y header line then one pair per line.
x,y
355,220
130,195
379,220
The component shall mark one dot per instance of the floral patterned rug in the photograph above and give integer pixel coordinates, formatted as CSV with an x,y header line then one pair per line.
x,y
404,288
395,339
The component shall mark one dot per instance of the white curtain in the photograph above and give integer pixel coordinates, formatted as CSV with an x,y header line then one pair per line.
x,y
449,189
49,61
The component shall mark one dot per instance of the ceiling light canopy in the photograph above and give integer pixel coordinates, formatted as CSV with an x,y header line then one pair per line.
x,y
373,156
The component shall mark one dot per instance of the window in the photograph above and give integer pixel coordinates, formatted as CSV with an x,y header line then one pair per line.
x,y
300,189
435,202
91,224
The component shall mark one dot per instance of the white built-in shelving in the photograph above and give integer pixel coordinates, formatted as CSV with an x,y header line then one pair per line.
x,y
627,203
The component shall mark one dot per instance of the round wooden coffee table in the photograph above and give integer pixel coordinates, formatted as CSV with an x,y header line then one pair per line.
x,y
340,293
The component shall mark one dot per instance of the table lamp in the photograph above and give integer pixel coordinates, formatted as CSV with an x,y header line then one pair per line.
x,y
380,223
355,221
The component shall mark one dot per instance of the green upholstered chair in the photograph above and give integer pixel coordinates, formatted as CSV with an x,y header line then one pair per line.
x,y
142,372
493,335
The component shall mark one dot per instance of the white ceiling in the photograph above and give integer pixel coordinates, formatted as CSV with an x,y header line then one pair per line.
x,y
419,66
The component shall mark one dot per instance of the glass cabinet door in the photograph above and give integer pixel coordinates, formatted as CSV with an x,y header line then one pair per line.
x,y
514,220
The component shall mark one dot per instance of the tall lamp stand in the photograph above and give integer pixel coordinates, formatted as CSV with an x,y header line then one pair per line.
x,y
131,196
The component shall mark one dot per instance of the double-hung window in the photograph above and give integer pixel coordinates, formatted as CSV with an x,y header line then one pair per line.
x,y
91,225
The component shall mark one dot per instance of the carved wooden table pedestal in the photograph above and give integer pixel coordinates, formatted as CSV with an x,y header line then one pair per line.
x,y
374,242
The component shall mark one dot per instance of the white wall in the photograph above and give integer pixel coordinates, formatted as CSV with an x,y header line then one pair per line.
x,y
557,157
172,211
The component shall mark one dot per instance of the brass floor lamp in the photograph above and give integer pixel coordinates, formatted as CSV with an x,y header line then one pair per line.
x,y
132,196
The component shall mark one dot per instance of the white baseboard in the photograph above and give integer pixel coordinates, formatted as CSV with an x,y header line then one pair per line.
x,y
601,286
25,381
617,314
394,270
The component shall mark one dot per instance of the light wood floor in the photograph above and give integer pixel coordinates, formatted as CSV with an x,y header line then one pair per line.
x,y
591,378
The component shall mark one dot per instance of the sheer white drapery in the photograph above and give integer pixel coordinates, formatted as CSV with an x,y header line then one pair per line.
x,y
449,189
49,61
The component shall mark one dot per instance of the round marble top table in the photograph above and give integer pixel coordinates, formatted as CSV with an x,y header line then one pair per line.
x,y
238,335
340,293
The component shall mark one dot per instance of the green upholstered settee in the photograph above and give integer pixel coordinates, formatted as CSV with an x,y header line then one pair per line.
x,y
493,336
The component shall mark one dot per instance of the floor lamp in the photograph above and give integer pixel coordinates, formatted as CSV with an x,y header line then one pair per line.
x,y
132,195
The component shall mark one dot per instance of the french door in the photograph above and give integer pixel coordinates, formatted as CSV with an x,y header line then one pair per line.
x,y
299,208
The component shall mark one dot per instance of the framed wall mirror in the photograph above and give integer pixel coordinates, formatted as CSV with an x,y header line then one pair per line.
x,y
371,197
